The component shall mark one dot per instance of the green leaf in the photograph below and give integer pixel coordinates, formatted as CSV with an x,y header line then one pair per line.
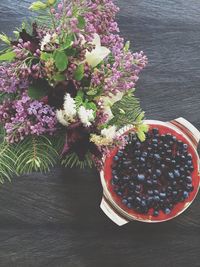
x,y
141,135
36,92
68,42
72,160
125,111
90,105
79,72
141,130
81,22
8,56
35,153
70,52
140,117
79,99
59,77
38,5
92,92
4,38
45,56
61,60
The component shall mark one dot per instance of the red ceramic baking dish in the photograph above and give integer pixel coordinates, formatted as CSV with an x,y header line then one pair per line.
x,y
111,203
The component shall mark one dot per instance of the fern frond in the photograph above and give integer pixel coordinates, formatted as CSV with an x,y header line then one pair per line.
x,y
35,154
72,160
7,161
125,111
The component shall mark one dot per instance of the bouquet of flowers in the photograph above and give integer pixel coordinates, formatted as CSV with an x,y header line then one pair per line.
x,y
67,82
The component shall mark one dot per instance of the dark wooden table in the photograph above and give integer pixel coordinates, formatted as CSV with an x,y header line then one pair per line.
x,y
54,220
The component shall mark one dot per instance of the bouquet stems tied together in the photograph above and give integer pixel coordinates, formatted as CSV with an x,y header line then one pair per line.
x,y
67,82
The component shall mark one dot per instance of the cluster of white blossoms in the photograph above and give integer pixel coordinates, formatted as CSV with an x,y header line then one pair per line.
x,y
69,113
106,138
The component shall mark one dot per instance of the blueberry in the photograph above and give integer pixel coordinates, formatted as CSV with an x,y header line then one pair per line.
x,y
149,182
155,131
131,185
156,198
189,157
150,192
148,165
143,203
179,143
189,179
185,146
116,158
138,145
157,157
119,193
138,187
174,193
138,200
155,213
168,136
141,177
130,199
142,159
185,194
177,173
137,153
154,177
124,201
163,195
191,168
120,153
189,187
189,162
144,154
167,211
158,172
174,138
126,178
163,166
129,205
115,179
171,175
156,192
155,141
168,160
173,162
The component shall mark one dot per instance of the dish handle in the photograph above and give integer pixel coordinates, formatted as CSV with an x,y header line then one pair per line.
x,y
110,212
190,130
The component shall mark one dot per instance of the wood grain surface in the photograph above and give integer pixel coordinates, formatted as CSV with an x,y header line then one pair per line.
x,y
54,220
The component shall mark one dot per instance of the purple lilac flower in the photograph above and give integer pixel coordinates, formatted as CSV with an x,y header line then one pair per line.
x,y
9,82
26,117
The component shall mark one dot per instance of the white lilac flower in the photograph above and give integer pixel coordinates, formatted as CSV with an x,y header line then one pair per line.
x,y
69,107
109,133
86,115
61,117
98,54
46,40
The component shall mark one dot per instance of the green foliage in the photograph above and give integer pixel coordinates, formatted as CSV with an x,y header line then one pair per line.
x,y
36,92
141,129
79,72
72,160
38,5
81,22
7,56
7,161
125,111
35,154
61,60
45,56
4,38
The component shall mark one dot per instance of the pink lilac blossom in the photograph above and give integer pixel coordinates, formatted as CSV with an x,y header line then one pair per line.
x,y
9,81
24,117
